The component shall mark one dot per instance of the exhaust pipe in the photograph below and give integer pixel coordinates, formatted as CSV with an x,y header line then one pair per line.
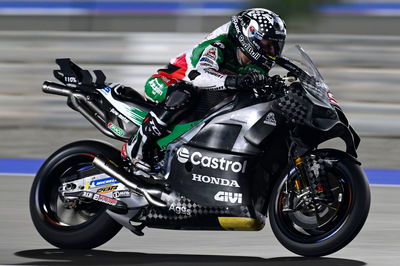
x,y
54,88
79,102
116,173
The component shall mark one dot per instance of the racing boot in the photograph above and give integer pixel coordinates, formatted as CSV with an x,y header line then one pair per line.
x,y
137,150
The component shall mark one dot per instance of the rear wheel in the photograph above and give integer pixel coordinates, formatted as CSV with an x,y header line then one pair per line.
x,y
70,225
316,225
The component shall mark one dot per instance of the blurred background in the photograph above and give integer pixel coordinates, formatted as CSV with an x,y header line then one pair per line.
x,y
354,43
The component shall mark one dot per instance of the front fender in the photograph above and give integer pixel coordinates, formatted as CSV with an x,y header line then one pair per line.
x,y
341,155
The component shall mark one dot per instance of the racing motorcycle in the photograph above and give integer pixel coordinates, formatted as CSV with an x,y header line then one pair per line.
x,y
247,158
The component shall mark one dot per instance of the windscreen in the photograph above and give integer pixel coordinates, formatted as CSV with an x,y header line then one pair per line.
x,y
307,73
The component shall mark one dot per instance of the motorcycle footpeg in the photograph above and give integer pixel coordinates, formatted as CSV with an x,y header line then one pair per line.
x,y
137,229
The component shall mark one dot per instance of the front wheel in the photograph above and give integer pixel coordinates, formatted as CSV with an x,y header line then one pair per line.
x,y
83,225
325,216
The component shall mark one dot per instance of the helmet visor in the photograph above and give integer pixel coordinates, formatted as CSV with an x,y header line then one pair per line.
x,y
271,47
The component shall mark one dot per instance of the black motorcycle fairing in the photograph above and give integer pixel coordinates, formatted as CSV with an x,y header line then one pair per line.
x,y
261,131
201,174
217,136
211,189
131,96
312,123
115,118
323,129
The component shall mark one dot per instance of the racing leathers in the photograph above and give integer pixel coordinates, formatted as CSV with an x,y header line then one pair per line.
x,y
213,65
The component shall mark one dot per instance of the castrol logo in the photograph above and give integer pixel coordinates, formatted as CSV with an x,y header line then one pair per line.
x,y
197,158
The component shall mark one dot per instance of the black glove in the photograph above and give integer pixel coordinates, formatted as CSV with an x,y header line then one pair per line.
x,y
276,83
249,81
272,84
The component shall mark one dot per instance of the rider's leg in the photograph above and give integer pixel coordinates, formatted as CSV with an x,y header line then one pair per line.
x,y
156,123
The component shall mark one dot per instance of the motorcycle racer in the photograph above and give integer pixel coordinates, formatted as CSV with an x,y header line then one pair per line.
x,y
236,56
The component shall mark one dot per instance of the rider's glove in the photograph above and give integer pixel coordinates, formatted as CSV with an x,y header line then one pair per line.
x,y
276,83
251,80
272,84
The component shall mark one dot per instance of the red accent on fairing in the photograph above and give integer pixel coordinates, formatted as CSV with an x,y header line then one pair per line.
x,y
181,72
124,152
330,97
168,81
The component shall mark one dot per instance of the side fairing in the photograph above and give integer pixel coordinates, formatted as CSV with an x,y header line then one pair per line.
x,y
228,132
131,111
216,165
211,178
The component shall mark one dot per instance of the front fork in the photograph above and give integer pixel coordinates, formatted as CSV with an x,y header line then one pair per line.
x,y
301,180
296,187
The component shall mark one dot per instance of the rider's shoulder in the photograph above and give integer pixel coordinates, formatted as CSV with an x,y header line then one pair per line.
x,y
219,32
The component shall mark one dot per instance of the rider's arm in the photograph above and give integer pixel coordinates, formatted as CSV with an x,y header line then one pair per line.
x,y
205,74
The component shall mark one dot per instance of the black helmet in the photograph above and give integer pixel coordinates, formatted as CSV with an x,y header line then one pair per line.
x,y
260,34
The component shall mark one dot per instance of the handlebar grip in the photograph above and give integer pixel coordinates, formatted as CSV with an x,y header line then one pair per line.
x,y
54,88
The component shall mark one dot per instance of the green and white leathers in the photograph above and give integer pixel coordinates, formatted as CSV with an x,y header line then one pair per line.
x,y
206,66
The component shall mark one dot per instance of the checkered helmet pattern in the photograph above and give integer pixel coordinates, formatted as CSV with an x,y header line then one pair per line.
x,y
251,28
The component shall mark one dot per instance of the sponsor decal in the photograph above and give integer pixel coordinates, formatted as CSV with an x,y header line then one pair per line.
x,y
107,189
212,52
215,180
246,46
99,198
228,197
121,194
116,129
179,209
103,182
214,73
105,90
331,98
270,119
206,62
70,80
183,155
86,194
123,118
218,44
136,114
104,199
156,86
253,32
197,158
252,29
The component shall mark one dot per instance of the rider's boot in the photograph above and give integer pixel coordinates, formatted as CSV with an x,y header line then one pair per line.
x,y
137,150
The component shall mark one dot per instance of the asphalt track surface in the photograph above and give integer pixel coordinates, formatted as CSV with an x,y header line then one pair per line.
x,y
33,125
377,244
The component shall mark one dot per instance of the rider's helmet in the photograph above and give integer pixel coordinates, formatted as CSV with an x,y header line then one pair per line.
x,y
260,34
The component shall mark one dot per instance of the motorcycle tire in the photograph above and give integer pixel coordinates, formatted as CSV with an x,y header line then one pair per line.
x,y
88,225
351,214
